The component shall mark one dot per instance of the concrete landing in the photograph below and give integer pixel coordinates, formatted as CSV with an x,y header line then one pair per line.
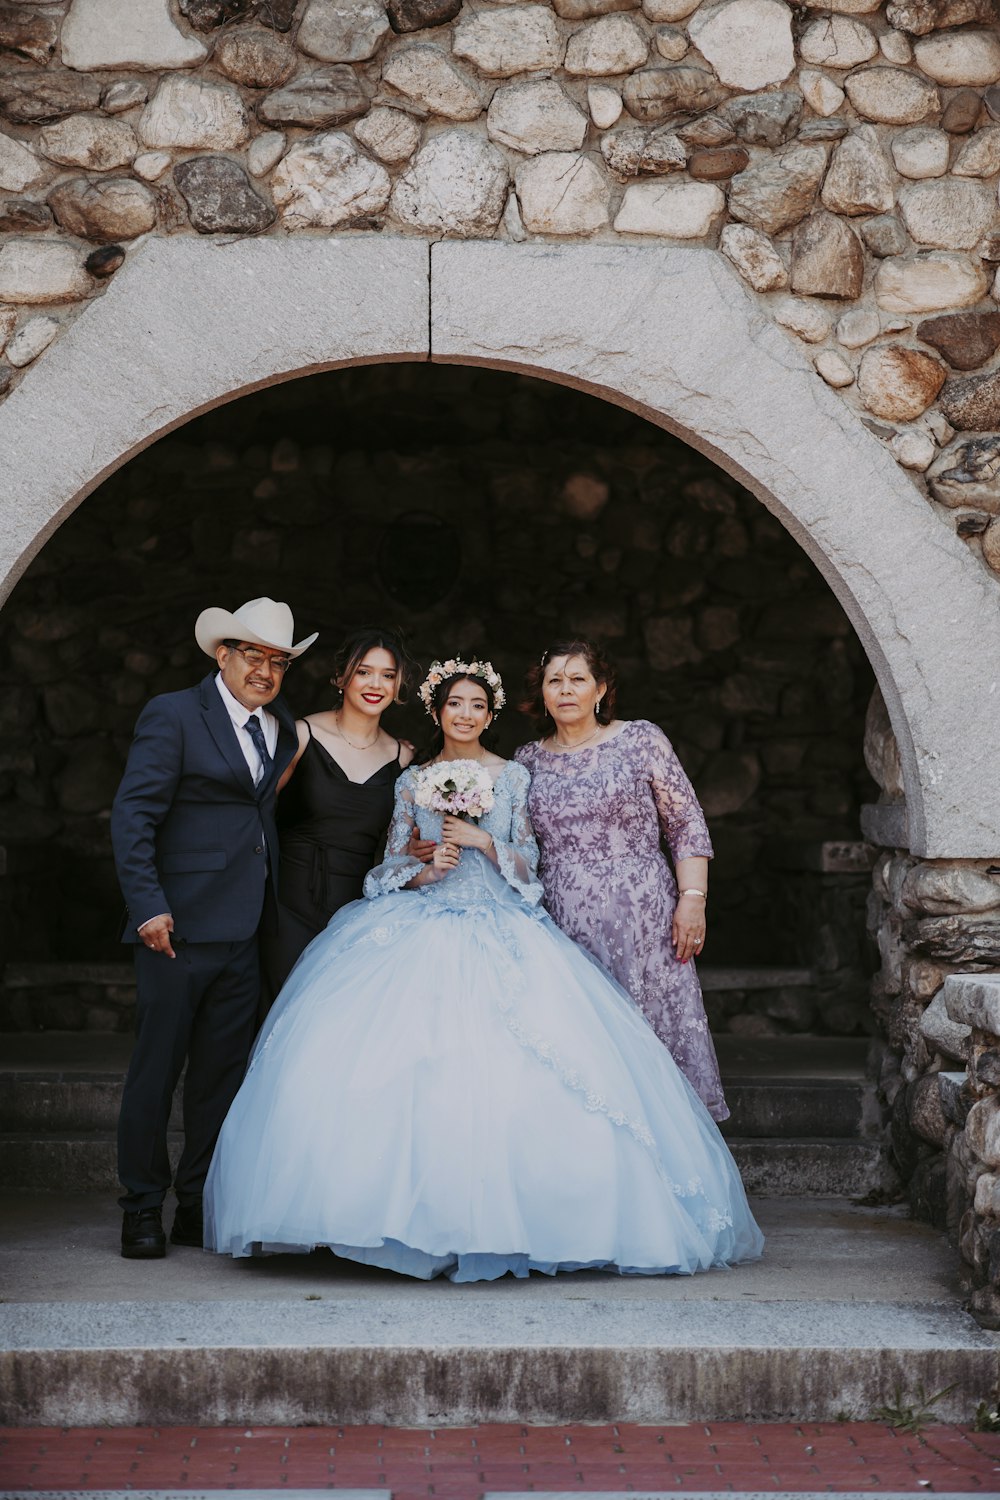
x,y
851,1308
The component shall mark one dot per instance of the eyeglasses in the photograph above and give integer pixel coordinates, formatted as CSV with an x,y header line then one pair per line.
x,y
254,657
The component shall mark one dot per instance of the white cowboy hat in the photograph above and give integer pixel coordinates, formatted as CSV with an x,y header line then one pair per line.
x,y
262,622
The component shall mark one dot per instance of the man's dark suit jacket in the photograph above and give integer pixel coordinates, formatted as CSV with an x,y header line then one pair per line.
x,y
191,833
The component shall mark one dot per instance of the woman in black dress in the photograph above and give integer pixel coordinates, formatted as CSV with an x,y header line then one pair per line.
x,y
337,798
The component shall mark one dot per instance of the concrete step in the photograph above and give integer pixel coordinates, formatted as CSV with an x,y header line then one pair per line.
x,y
806,1108
67,1162
850,1308
804,1117
813,1168
772,1108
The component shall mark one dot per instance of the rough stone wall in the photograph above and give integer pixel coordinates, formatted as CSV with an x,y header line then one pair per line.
x,y
973,1166
481,511
937,1001
845,157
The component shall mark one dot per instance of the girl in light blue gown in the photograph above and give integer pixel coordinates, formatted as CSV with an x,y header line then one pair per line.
x,y
449,1085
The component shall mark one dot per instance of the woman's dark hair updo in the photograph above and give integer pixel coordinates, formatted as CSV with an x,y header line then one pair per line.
x,y
355,647
601,667
439,697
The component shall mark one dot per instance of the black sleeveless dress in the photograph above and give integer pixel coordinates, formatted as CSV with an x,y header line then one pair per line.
x,y
330,829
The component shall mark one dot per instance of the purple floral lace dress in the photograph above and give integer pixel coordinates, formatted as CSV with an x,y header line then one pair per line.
x,y
598,815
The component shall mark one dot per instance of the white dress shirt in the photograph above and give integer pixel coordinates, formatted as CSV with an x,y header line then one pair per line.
x,y
239,715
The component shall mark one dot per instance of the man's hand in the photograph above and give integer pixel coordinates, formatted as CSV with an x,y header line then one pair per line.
x,y
156,935
422,849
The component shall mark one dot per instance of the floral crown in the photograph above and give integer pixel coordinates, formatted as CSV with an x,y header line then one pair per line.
x,y
440,671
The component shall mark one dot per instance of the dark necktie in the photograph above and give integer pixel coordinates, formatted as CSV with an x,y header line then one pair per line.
x,y
256,733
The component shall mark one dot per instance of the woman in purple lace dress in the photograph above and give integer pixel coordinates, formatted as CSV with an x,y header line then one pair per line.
x,y
602,792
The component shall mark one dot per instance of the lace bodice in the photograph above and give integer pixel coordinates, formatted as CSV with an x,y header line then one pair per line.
x,y
612,802
475,879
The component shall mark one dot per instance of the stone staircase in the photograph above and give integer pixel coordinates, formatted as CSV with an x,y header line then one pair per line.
x,y
853,1306
805,1119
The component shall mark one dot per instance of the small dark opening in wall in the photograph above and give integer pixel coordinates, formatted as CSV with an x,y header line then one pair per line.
x,y
412,550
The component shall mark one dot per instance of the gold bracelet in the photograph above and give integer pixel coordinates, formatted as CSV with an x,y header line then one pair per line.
x,y
694,891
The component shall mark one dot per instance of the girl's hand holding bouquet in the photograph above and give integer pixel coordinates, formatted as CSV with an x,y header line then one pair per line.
x,y
463,791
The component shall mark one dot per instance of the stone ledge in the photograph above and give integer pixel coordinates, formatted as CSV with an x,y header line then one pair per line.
x,y
974,1000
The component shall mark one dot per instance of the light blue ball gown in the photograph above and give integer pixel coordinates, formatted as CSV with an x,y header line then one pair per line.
x,y
448,1085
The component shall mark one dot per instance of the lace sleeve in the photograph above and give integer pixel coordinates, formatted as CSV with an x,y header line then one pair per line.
x,y
677,806
398,868
517,856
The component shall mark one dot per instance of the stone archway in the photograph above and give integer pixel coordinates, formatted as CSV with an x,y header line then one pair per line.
x,y
668,332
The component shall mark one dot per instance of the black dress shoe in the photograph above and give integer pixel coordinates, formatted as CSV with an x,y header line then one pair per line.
x,y
142,1235
188,1227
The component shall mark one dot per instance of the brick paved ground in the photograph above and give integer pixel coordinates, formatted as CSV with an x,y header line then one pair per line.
x,y
461,1463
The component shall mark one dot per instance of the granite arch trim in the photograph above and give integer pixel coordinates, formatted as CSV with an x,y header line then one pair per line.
x,y
667,331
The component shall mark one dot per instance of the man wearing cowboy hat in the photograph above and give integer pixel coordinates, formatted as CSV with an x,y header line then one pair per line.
x,y
196,851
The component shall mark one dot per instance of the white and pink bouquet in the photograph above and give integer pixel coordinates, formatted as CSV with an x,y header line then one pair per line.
x,y
460,787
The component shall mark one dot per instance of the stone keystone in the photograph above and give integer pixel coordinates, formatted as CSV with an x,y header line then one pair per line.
x,y
828,259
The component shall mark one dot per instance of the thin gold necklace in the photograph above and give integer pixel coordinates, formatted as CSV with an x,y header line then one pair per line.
x,y
366,746
577,743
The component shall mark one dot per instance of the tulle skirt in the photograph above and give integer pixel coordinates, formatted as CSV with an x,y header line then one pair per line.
x,y
459,1089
